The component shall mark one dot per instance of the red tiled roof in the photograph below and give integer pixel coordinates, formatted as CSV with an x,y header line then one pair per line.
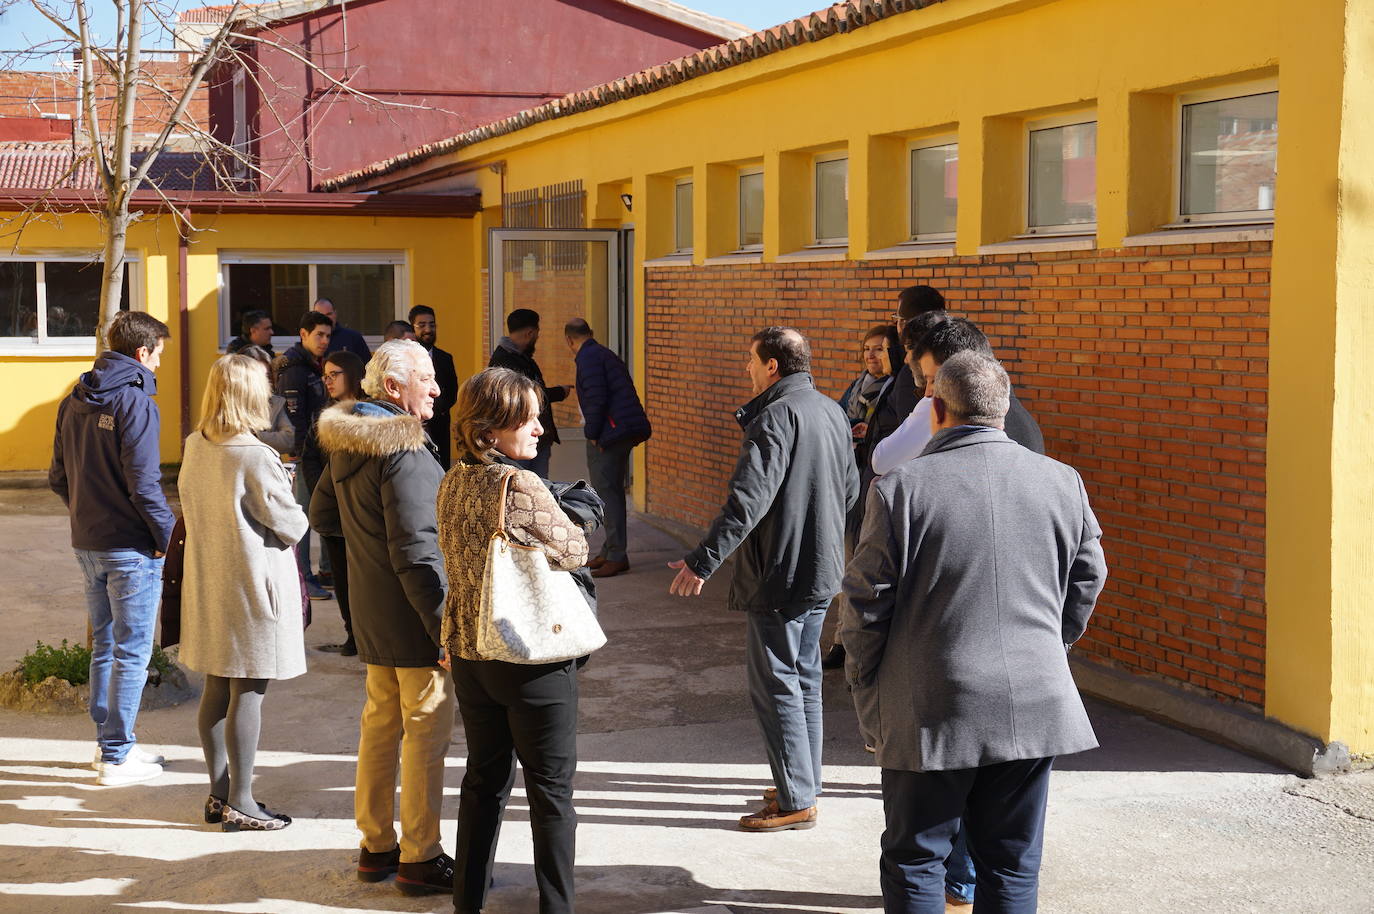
x,y
835,20
44,166
210,14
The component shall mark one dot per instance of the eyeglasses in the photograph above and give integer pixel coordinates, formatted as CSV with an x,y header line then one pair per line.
x,y
333,375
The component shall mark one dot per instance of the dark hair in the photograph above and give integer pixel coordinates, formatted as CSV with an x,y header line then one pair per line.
x,y
521,318
492,399
916,300
251,319
418,310
951,337
312,319
880,330
578,327
396,330
353,369
786,345
134,330
918,327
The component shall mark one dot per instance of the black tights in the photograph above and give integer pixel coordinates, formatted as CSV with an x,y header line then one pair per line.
x,y
230,720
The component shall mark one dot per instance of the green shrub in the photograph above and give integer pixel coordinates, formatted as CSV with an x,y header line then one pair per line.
x,y
69,662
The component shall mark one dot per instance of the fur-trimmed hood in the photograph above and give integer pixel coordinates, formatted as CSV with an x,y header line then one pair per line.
x,y
365,429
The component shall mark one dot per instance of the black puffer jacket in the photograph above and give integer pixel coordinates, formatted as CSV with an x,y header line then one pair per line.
x,y
793,483
378,492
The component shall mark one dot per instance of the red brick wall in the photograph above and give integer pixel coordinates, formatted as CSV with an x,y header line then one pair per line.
x,y
1146,368
29,93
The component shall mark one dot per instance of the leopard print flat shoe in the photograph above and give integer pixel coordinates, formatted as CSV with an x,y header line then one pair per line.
x,y
237,821
214,810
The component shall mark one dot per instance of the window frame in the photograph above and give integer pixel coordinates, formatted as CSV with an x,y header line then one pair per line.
x,y
821,158
678,184
1200,97
912,147
312,260
1070,229
60,346
742,248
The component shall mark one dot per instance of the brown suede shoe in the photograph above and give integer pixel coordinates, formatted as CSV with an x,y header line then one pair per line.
x,y
770,818
611,569
596,562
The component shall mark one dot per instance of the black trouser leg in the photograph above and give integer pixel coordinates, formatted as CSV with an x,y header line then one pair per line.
x,y
338,560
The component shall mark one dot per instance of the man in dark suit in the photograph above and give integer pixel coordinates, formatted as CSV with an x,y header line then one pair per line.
x,y
978,564
516,352
343,337
439,429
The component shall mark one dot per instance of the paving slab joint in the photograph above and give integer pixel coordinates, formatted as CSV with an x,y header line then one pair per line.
x,y
1238,728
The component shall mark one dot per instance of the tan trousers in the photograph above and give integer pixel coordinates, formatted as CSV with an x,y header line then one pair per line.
x,y
407,723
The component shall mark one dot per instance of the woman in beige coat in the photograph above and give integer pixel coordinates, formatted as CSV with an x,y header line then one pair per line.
x,y
241,604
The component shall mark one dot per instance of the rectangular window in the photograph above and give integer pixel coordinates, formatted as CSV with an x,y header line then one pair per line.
x,y
682,217
832,200
1062,192
366,288
750,210
1230,158
54,299
239,141
934,196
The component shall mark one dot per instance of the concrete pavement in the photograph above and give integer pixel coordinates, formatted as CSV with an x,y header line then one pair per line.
x,y
1155,820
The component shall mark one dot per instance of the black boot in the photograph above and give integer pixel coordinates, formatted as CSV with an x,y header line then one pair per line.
x,y
834,658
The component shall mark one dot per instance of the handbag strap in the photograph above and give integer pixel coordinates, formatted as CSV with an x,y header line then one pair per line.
x,y
501,510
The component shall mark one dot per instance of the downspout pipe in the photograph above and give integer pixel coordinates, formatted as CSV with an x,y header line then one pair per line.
x,y
184,321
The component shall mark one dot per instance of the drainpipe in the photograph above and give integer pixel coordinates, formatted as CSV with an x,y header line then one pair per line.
x,y
184,322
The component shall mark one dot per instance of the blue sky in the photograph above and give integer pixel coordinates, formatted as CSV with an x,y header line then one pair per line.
x,y
21,27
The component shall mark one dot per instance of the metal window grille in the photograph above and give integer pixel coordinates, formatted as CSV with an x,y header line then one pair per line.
x,y
554,206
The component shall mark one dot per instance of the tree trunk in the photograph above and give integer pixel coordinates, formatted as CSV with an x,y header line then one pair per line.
x,y
112,275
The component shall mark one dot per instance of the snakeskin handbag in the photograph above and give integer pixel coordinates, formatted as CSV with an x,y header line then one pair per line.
x,y
530,613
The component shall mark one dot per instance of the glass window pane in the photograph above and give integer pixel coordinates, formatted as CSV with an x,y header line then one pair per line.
x,y
73,292
1230,150
832,199
364,294
683,213
280,289
18,299
1063,175
751,210
934,183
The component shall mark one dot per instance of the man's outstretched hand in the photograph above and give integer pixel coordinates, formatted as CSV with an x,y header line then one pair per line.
x,y
686,584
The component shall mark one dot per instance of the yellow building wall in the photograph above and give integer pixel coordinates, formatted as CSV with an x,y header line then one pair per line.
x,y
982,69
439,261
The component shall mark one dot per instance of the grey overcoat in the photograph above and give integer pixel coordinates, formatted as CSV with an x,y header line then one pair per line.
x,y
240,595
977,563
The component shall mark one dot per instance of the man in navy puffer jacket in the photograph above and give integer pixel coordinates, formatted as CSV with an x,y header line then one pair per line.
x,y
105,467
614,422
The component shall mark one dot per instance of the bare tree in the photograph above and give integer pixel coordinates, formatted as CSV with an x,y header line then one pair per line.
x,y
107,138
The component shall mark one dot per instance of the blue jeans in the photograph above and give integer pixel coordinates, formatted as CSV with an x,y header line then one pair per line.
x,y
960,876
123,589
783,664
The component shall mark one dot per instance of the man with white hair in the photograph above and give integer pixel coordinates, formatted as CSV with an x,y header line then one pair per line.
x,y
378,493
978,564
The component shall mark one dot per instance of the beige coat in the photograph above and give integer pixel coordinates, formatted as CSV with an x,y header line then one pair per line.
x,y
240,596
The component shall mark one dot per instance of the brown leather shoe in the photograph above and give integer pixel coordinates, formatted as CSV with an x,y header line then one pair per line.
x,y
611,569
596,562
770,794
770,818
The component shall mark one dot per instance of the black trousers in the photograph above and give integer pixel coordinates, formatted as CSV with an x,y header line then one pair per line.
x,y
338,563
528,712
1003,807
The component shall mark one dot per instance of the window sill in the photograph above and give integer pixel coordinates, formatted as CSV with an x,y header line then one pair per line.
x,y
1198,234
912,251
829,252
734,257
48,350
1043,244
672,260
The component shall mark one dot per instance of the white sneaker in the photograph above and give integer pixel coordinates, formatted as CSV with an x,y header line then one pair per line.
x,y
135,753
129,771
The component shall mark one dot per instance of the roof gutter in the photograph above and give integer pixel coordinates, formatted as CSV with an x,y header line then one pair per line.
x,y
275,204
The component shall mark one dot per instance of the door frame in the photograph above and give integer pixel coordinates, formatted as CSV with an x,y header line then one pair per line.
x,y
616,310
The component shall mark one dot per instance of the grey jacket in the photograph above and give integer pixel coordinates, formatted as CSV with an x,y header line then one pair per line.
x,y
978,562
378,492
793,483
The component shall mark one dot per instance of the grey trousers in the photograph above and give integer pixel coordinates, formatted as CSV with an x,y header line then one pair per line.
x,y
783,663
607,468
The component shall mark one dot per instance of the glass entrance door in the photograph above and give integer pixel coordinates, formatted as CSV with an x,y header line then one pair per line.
x,y
562,274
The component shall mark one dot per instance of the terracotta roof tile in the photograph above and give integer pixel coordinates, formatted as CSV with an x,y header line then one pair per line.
x,y
834,20
44,166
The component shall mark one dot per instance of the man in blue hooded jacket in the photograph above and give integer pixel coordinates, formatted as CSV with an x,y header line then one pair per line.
x,y
105,468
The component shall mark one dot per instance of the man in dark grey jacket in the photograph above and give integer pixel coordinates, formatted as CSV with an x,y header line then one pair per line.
x,y
978,563
378,493
791,488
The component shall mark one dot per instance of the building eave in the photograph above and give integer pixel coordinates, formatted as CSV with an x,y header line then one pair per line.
x,y
272,204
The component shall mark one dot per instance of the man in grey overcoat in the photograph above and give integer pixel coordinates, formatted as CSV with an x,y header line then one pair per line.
x,y
978,564
784,518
